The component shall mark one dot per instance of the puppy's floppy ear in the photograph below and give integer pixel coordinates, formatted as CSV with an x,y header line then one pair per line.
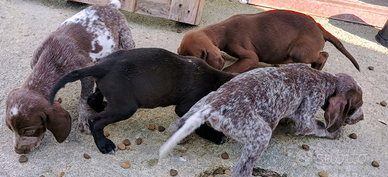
x,y
58,121
213,57
334,112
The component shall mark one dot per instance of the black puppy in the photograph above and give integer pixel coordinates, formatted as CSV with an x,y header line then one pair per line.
x,y
146,78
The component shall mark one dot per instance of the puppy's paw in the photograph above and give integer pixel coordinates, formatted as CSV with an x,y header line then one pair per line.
x,y
84,127
207,132
106,146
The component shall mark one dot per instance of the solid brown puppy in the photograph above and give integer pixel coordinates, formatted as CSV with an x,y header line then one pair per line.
x,y
274,37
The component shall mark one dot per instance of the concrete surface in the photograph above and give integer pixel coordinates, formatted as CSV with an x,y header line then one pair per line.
x,y
24,24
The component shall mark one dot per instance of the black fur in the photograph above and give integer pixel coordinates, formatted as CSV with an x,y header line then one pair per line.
x,y
145,78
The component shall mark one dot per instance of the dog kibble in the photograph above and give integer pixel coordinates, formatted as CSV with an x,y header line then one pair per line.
x,y
383,103
375,164
126,142
121,146
353,136
106,133
371,68
23,159
228,172
151,127
61,174
173,172
219,171
179,31
127,148
126,164
59,100
306,147
161,129
322,174
139,141
86,156
225,155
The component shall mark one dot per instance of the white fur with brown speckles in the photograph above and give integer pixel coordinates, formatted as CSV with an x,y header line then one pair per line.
x,y
249,107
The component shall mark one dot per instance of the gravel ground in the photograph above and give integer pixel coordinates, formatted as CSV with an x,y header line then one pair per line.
x,y
24,24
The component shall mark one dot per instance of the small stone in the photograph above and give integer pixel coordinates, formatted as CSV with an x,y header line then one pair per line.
x,y
219,171
353,136
375,164
59,100
173,172
126,164
225,155
383,103
322,174
228,172
371,68
106,133
179,31
23,159
61,174
121,146
126,142
139,141
306,147
86,156
161,129
151,127
127,148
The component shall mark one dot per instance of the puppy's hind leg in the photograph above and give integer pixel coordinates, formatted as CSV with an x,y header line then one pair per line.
x,y
254,141
96,101
112,113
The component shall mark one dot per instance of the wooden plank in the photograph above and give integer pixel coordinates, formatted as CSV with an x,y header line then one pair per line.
x,y
156,8
184,11
347,10
128,5
199,12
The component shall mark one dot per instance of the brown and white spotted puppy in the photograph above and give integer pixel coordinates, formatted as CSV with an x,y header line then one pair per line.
x,y
80,41
249,107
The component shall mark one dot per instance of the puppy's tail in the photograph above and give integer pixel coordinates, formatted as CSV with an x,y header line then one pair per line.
x,y
329,37
115,3
71,77
192,123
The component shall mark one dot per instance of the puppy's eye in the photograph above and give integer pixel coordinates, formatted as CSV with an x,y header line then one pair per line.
x,y
29,132
351,111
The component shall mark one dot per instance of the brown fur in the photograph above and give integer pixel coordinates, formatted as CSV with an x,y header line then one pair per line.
x,y
72,46
275,37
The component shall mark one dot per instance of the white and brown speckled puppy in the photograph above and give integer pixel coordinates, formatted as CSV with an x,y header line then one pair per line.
x,y
80,41
250,106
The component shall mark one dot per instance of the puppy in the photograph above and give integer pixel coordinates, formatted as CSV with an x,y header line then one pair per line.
x,y
250,106
80,41
145,78
274,37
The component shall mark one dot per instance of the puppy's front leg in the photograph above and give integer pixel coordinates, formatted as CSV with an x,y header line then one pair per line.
x,y
84,109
